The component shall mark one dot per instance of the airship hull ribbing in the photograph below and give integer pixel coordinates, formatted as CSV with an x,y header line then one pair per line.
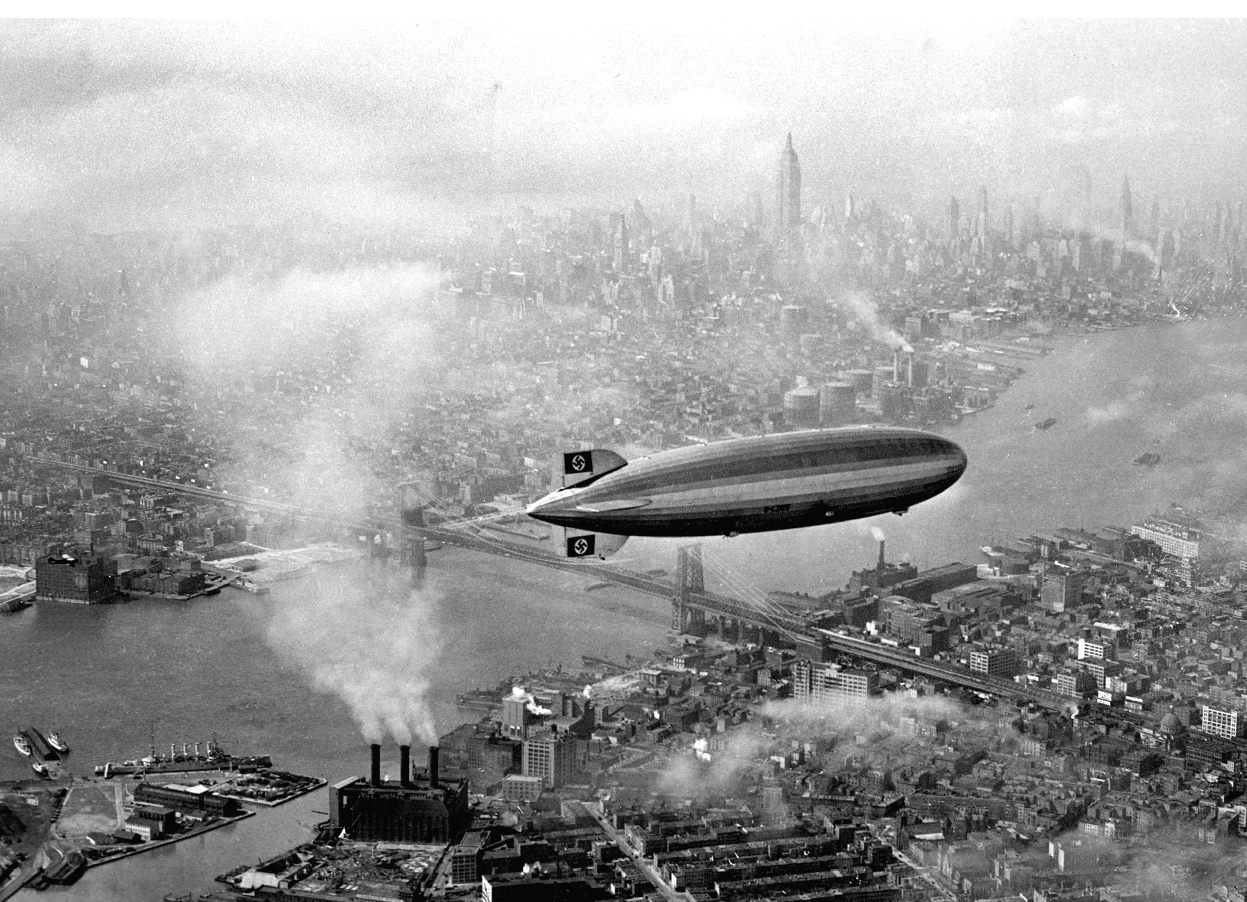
x,y
773,482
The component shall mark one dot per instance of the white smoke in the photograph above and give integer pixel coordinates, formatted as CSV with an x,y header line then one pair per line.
x,y
877,534
374,645
860,306
701,749
531,701
337,358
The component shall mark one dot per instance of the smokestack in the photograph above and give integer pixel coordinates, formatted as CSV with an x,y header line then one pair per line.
x,y
432,767
376,764
404,765
881,565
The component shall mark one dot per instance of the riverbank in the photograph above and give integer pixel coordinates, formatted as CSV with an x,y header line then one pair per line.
x,y
1172,389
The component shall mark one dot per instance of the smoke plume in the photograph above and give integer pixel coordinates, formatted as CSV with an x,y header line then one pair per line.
x,y
530,701
372,641
860,306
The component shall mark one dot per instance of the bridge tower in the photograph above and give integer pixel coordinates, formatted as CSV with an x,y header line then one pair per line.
x,y
690,582
417,558
411,542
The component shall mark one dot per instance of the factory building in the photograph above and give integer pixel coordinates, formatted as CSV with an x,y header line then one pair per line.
x,y
1061,591
830,685
882,576
552,757
1176,535
415,808
997,662
1221,720
64,577
195,800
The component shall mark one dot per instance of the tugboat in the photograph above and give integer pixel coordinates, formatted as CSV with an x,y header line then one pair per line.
x,y
22,744
1046,424
40,768
54,740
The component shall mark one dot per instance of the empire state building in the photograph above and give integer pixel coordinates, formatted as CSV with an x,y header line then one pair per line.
x,y
788,222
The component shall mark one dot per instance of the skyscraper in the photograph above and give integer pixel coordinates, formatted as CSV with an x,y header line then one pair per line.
x,y
982,223
788,220
954,219
1127,209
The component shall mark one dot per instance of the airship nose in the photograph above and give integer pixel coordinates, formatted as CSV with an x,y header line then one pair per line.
x,y
552,505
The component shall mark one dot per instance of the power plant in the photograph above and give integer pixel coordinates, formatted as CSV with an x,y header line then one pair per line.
x,y
420,808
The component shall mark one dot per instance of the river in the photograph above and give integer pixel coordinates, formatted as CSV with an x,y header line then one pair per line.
x,y
1176,389
260,671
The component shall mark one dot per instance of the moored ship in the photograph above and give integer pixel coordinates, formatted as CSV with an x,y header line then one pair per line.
x,y
54,740
215,759
22,744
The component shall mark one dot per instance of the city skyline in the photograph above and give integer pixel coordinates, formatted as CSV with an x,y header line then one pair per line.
x,y
322,344
155,124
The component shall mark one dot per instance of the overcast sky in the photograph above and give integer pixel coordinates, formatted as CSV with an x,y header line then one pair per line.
x,y
122,124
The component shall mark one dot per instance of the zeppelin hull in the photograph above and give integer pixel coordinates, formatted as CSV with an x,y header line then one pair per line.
x,y
775,482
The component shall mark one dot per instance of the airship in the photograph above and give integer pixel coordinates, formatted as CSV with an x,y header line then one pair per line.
x,y
780,481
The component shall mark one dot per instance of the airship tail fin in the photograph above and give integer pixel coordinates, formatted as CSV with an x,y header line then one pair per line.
x,y
581,466
580,544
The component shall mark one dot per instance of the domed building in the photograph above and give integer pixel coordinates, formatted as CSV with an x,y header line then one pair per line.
x,y
1172,731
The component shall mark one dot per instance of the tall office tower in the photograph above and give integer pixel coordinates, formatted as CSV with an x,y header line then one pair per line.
x,y
642,227
982,222
788,220
1127,209
850,207
756,210
954,219
619,241
690,216
1075,197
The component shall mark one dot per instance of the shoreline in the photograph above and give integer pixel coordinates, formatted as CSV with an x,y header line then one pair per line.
x,y
159,844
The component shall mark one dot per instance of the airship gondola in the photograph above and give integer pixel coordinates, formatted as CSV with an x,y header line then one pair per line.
x,y
772,482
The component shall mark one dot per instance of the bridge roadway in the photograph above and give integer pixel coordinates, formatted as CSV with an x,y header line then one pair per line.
x,y
718,605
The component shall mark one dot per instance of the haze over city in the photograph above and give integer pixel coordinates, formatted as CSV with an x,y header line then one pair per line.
x,y
125,125
666,458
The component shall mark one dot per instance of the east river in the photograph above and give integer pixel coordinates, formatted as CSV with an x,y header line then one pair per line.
x,y
265,673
